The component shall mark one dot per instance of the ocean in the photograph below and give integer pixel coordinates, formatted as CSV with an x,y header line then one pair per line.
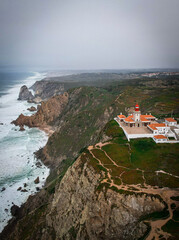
x,y
18,167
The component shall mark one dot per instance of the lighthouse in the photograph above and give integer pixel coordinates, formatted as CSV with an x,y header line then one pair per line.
x,y
137,113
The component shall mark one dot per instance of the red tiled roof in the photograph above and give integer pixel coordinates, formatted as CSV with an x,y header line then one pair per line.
x,y
129,119
143,118
170,119
148,116
121,116
155,125
160,137
160,124
152,126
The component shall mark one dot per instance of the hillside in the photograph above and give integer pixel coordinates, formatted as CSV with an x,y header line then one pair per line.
x,y
111,189
101,186
90,108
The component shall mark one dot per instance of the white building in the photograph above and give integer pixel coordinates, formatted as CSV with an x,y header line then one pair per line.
x,y
137,125
136,119
170,122
160,138
159,128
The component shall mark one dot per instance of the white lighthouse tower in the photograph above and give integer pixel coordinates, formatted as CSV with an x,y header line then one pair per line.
x,y
137,113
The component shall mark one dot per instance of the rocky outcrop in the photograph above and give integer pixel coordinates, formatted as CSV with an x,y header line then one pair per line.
x,y
25,94
45,89
36,181
32,109
47,113
14,210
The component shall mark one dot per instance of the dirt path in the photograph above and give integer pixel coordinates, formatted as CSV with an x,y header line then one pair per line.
x,y
164,193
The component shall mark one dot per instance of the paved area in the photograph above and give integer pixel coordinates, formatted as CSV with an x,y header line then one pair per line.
x,y
136,130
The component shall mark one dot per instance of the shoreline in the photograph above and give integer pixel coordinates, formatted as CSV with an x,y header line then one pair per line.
x,y
21,148
47,129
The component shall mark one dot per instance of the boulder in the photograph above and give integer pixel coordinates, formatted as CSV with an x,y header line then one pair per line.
x,y
24,190
25,94
3,189
14,210
22,128
32,109
36,181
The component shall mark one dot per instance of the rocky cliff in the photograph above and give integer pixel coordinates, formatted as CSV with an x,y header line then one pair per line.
x,y
46,114
110,189
45,89
81,210
25,94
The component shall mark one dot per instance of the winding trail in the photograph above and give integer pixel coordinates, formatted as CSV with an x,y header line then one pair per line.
x,y
164,193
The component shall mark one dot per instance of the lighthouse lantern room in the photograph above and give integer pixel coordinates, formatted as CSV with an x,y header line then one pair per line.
x,y
137,113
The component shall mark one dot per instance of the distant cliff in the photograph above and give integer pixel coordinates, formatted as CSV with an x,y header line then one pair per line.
x,y
42,90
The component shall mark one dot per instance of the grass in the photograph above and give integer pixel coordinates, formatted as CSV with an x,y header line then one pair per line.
x,y
175,198
147,155
114,132
172,228
132,177
101,155
32,221
119,154
176,214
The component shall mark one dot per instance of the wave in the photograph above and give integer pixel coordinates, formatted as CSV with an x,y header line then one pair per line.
x,y
17,161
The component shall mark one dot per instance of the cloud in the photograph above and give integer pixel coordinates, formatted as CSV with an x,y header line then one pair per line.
x,y
91,34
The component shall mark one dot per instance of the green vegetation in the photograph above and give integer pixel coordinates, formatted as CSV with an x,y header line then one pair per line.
x,y
176,214
156,215
101,155
136,161
32,221
118,153
132,177
115,133
175,198
73,232
90,108
172,228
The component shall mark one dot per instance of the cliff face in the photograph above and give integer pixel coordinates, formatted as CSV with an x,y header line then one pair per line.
x,y
86,113
80,210
45,89
47,113
108,189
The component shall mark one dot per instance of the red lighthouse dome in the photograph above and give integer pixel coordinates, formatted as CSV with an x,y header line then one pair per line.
x,y
136,107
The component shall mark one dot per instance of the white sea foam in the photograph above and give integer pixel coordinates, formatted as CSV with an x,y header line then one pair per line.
x,y
17,161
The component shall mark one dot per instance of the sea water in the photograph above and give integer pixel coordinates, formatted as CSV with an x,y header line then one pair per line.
x,y
17,160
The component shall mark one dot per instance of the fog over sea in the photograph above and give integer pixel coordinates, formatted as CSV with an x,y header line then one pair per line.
x,y
17,161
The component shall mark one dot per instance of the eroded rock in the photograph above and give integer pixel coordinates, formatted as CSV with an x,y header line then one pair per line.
x,y
25,94
36,181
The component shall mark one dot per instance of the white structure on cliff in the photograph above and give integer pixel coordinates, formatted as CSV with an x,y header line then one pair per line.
x,y
136,119
137,125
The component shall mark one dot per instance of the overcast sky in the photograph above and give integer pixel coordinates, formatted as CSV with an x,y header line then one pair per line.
x,y
89,34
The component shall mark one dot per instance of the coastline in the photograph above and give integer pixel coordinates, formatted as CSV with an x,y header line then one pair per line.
x,y
47,129
18,183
